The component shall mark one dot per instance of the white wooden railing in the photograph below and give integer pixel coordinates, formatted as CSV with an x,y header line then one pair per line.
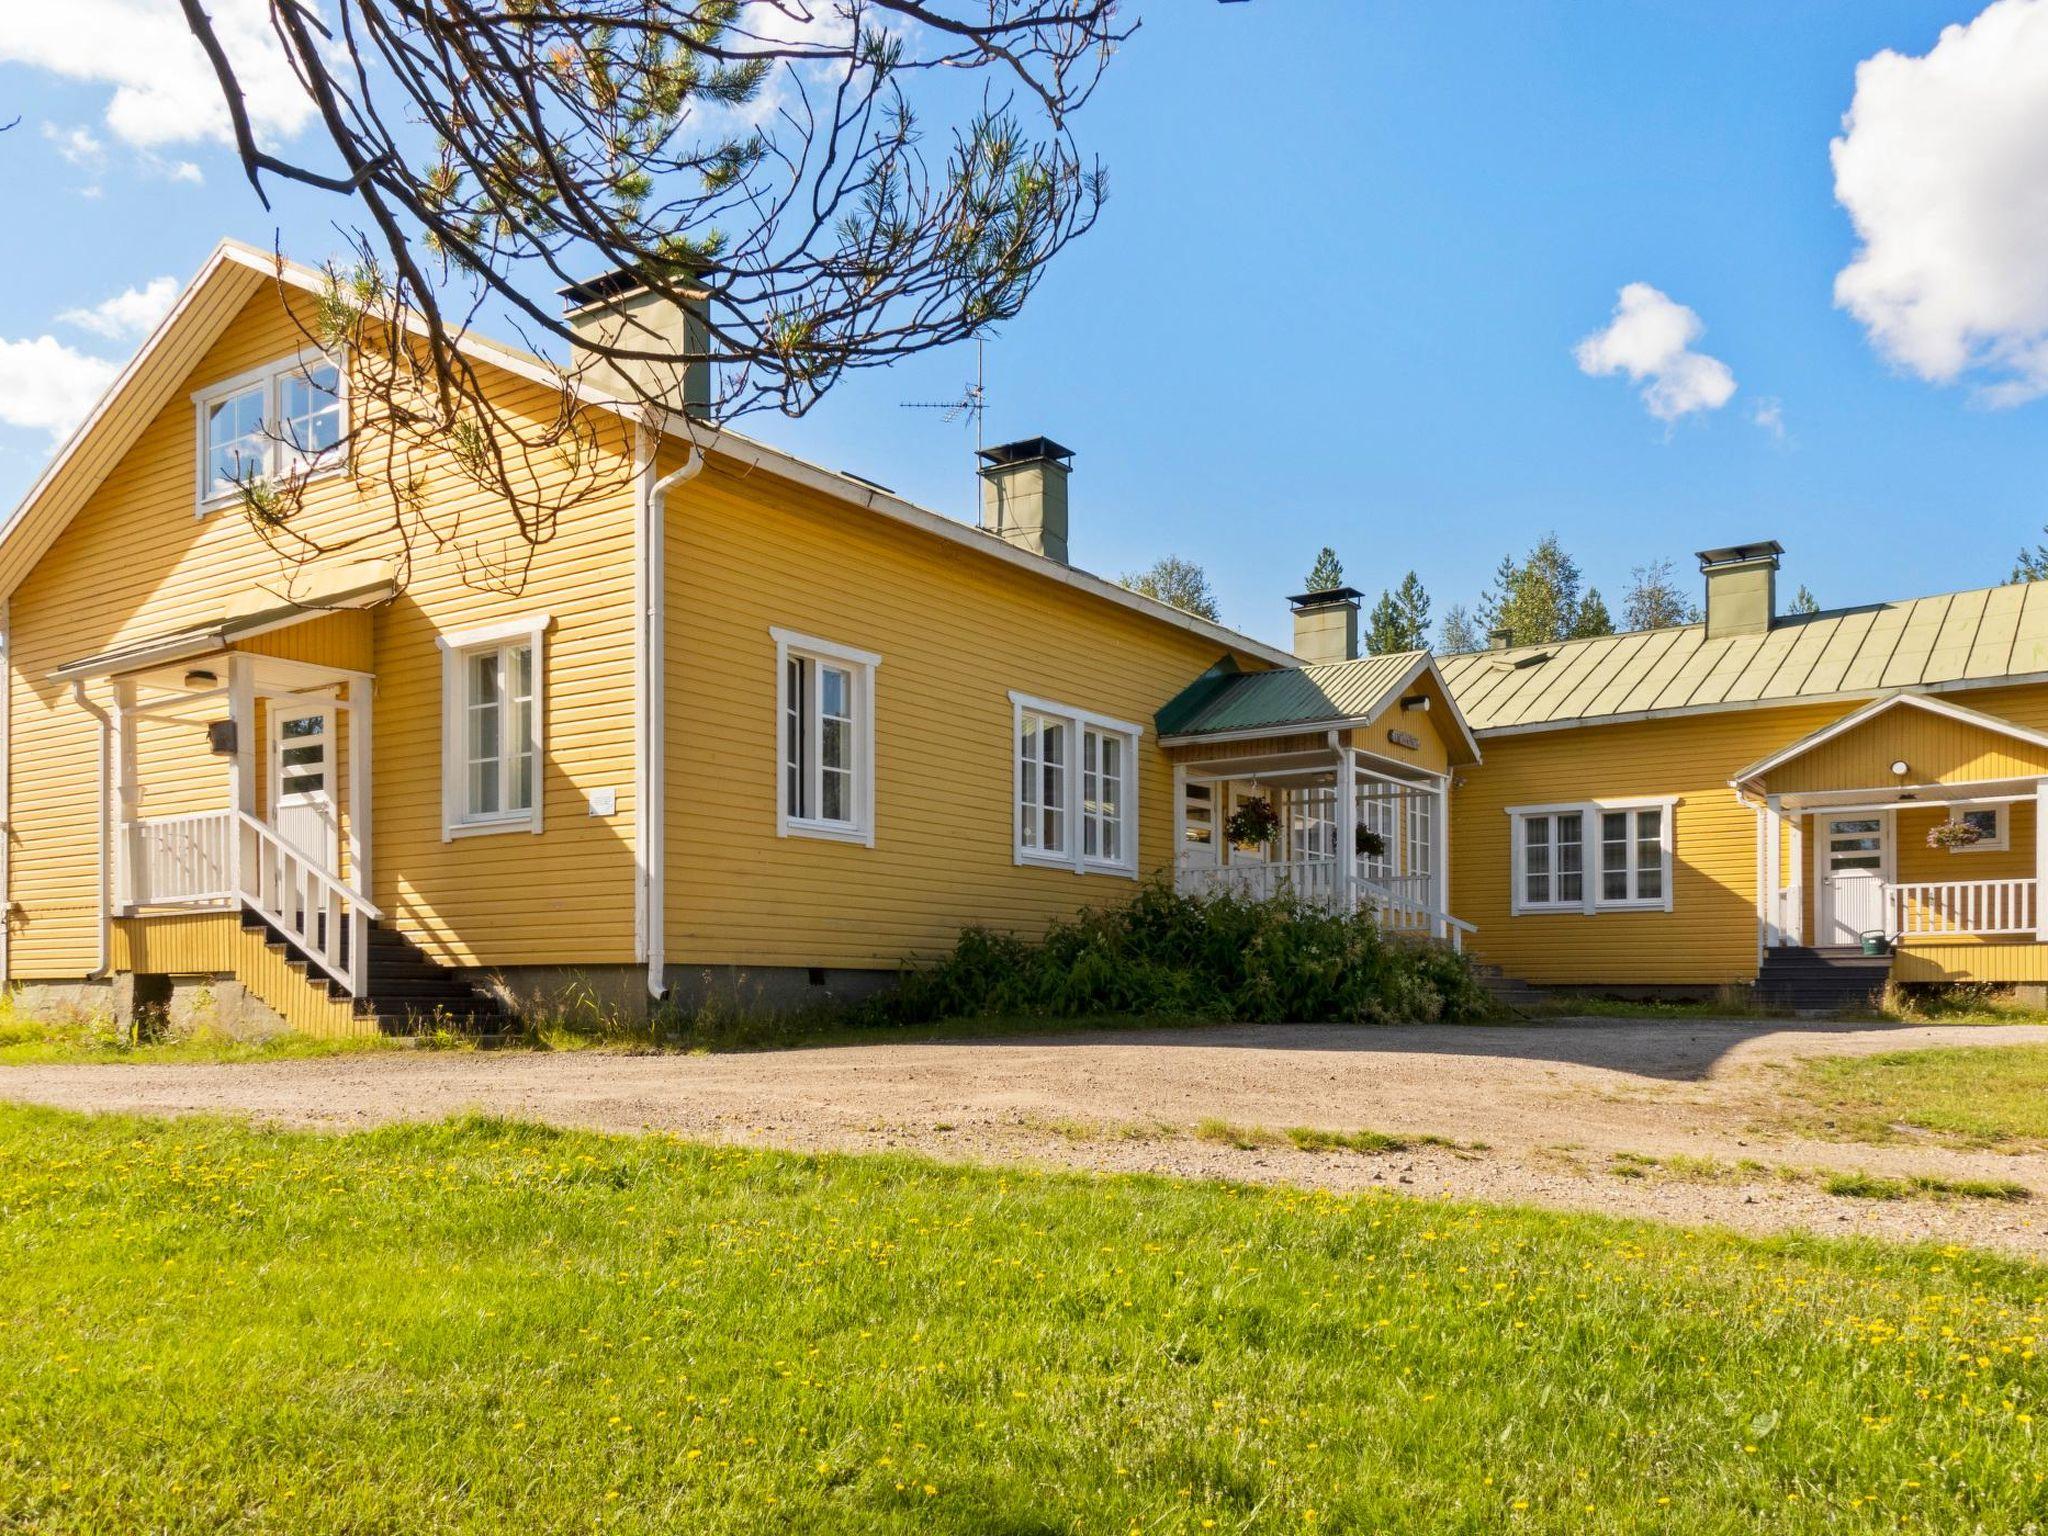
x,y
325,919
1402,903
220,858
1959,907
179,861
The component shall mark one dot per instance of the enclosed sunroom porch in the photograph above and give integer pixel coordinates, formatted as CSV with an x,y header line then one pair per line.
x,y
1330,783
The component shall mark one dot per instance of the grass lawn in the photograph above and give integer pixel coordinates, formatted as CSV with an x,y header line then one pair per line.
x,y
1994,1095
483,1326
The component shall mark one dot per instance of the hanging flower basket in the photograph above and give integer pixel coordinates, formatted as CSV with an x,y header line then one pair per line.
x,y
1370,844
1253,824
1954,835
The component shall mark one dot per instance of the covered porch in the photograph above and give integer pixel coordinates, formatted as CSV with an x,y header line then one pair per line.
x,y
1325,800
235,776
1331,783
1914,821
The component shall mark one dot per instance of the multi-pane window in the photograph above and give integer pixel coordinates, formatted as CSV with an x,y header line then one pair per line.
x,y
817,740
281,421
825,778
1076,788
1592,856
499,735
1042,783
1553,860
1102,795
1632,855
491,738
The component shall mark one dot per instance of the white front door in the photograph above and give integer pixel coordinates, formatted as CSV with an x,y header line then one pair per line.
x,y
302,779
1851,858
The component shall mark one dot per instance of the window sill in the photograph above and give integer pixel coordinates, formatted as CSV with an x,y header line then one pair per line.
x,y
1579,909
1065,861
829,832
454,829
295,480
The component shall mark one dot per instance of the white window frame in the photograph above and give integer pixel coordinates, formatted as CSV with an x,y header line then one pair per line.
x,y
1999,841
456,650
1078,722
1590,882
269,378
793,646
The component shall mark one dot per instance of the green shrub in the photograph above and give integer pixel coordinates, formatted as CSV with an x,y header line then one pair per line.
x,y
1170,956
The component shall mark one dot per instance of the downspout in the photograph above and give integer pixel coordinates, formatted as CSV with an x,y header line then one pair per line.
x,y
651,676
105,900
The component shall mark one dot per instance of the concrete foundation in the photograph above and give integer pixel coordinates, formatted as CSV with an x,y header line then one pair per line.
x,y
587,995
770,989
158,1007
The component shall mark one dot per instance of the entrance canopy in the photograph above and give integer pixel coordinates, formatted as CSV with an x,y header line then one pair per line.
x,y
1908,746
306,593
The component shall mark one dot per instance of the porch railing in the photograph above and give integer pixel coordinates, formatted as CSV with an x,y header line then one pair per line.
x,y
1959,907
177,861
321,916
1401,903
221,858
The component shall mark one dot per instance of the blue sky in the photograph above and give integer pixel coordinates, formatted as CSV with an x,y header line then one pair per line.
x,y
1335,298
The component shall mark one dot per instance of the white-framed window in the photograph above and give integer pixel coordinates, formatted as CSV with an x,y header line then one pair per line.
x,y
1993,824
1592,855
825,722
492,728
1076,787
271,424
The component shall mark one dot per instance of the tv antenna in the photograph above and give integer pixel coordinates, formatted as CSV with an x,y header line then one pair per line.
x,y
973,400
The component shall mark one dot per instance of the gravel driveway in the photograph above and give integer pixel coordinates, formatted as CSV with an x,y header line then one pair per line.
x,y
1551,1102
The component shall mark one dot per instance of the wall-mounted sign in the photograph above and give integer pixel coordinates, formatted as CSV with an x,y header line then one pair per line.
x,y
1405,739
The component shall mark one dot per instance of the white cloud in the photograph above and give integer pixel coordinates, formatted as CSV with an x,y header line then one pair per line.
x,y
1942,166
45,384
76,146
165,91
133,312
1650,339
1769,414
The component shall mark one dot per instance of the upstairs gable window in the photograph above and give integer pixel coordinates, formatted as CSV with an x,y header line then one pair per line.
x,y
277,423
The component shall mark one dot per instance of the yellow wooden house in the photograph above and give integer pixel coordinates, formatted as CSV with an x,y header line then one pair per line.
x,y
744,722
1758,797
748,724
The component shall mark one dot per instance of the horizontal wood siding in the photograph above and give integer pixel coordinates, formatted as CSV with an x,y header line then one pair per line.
x,y
135,562
1709,936
216,943
1959,960
1935,748
956,632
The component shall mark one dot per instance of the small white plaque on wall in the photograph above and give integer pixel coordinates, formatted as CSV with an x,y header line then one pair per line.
x,y
604,802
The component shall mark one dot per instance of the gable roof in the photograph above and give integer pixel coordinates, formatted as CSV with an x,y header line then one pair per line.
x,y
1946,708
1957,640
235,271
1225,702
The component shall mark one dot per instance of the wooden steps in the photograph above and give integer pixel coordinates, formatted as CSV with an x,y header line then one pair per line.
x,y
407,993
1812,980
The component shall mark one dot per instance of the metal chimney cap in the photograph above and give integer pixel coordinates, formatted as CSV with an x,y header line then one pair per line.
x,y
1740,554
1327,598
1024,450
619,283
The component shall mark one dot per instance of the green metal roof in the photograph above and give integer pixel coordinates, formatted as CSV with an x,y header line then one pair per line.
x,y
1957,639
1288,698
